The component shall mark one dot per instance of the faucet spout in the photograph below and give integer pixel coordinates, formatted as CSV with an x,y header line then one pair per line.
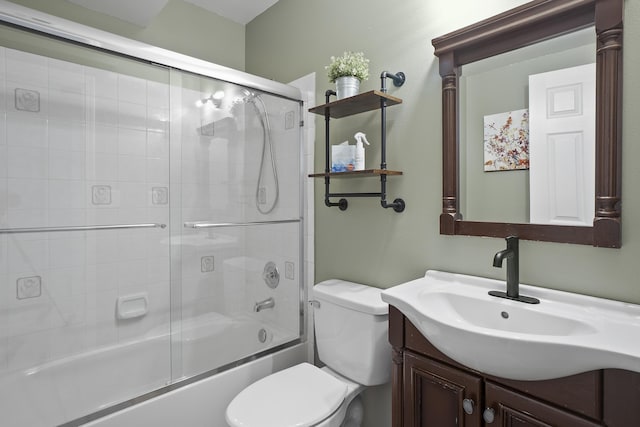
x,y
261,305
501,256
512,255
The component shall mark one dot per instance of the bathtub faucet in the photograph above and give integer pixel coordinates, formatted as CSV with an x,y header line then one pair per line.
x,y
261,305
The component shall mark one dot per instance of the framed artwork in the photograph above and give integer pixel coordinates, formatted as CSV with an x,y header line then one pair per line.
x,y
506,141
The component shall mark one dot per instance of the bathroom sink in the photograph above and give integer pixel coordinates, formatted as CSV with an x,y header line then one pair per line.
x,y
565,334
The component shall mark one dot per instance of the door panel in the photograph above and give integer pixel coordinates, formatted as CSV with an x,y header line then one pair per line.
x,y
434,394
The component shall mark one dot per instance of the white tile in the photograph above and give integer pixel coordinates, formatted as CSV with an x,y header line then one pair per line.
x,y
67,194
131,115
24,130
102,111
158,94
27,193
26,99
132,142
133,215
103,139
66,253
3,163
4,206
67,136
132,168
26,68
133,195
28,257
158,119
65,282
158,170
102,167
66,217
3,95
132,273
157,145
68,106
26,162
26,218
101,83
132,89
66,76
132,246
67,165
103,216
103,277
159,270
102,248
3,125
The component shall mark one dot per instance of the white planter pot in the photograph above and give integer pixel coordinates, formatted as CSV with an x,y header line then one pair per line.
x,y
347,86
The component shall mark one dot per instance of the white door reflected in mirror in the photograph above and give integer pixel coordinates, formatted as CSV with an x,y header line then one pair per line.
x,y
562,146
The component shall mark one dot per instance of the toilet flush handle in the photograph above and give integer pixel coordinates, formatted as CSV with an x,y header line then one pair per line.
x,y
314,303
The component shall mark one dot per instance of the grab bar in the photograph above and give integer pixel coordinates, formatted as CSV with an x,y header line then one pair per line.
x,y
197,225
78,228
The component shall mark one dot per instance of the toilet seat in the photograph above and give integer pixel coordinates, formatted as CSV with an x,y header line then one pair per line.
x,y
300,396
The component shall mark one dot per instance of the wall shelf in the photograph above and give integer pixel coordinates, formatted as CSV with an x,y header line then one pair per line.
x,y
361,103
356,174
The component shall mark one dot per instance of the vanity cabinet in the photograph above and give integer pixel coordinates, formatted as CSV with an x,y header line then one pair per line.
x,y
432,390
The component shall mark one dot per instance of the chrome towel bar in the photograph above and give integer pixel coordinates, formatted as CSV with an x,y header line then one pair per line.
x,y
78,228
197,225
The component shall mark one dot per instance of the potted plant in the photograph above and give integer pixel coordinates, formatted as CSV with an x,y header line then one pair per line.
x,y
347,71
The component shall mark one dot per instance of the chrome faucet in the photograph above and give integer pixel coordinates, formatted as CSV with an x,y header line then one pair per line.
x,y
261,305
512,255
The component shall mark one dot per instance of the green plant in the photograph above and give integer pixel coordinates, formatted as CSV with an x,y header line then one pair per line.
x,y
349,64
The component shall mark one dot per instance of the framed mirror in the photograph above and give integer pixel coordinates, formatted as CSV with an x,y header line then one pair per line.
x,y
567,35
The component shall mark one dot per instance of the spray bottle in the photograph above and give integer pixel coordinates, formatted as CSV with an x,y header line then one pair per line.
x,y
359,158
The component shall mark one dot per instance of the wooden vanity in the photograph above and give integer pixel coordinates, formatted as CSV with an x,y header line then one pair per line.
x,y
432,390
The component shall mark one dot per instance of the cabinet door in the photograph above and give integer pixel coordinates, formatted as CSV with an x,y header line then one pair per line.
x,y
506,408
436,395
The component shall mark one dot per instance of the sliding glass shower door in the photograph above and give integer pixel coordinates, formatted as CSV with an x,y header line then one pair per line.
x,y
150,228
239,223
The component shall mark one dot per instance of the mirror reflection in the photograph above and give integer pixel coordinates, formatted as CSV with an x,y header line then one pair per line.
x,y
527,134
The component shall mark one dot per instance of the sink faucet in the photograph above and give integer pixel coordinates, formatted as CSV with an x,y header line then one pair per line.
x,y
261,305
511,254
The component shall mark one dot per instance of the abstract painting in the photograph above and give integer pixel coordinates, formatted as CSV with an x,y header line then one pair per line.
x,y
506,141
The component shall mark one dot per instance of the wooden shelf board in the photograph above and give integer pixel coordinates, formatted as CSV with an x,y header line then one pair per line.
x,y
356,174
367,101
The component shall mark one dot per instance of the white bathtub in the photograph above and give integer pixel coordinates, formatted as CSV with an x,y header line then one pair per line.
x,y
68,389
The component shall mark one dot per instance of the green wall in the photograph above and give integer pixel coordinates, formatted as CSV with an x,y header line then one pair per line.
x,y
180,26
372,245
367,243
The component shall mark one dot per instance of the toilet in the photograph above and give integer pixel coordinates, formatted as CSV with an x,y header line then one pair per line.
x,y
351,323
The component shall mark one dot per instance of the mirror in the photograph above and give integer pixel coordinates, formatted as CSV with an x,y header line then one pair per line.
x,y
526,45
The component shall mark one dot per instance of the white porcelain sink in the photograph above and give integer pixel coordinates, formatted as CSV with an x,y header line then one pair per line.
x,y
565,334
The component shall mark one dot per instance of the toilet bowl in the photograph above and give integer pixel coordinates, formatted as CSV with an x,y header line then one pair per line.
x,y
351,336
302,395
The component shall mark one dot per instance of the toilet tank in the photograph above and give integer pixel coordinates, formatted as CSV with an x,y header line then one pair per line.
x,y
351,324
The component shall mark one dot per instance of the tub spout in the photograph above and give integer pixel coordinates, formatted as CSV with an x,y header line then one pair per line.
x,y
261,305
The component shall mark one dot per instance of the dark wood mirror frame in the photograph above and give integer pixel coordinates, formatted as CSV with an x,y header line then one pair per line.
x,y
527,24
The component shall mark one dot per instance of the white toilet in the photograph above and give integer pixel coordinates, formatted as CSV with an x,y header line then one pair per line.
x,y
351,336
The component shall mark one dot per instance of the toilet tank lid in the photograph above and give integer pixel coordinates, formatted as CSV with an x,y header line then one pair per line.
x,y
351,295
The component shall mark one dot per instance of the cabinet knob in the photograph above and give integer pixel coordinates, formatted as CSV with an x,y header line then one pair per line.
x,y
467,406
489,415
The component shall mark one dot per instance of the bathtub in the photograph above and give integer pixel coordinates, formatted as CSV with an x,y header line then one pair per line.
x,y
74,387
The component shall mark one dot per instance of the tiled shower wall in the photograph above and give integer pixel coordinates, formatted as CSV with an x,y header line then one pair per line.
x,y
79,146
